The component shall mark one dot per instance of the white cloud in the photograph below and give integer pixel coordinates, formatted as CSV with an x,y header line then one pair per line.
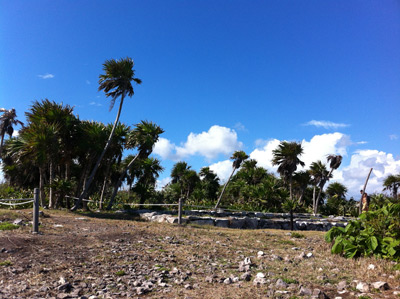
x,y
164,148
223,169
217,140
322,145
46,76
240,127
393,137
326,124
355,174
316,149
162,183
95,104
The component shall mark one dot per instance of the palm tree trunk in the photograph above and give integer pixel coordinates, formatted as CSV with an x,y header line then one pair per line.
x,y
223,189
314,198
363,191
118,183
41,185
91,177
51,193
1,143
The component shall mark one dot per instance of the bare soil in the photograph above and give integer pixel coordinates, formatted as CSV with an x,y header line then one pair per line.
x,y
98,255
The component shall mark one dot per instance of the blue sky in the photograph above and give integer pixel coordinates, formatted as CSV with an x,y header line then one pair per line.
x,y
222,75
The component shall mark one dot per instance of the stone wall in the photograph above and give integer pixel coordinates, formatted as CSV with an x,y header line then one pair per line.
x,y
244,220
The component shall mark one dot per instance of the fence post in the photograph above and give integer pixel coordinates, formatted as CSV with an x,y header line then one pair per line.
x,y
35,223
180,211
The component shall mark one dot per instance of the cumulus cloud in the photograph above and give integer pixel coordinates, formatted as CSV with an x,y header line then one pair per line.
x,y
316,149
223,169
46,76
325,124
355,174
217,140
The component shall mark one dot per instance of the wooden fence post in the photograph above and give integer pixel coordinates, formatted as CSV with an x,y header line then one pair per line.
x,y
363,191
180,211
35,223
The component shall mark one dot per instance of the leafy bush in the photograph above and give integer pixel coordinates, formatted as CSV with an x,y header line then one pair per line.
x,y
375,233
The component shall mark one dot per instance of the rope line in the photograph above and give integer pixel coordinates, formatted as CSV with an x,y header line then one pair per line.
x,y
15,199
15,204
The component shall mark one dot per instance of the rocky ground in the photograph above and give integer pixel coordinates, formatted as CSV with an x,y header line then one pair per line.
x,y
95,256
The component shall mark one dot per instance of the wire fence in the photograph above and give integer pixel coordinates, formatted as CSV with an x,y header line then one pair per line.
x,y
24,201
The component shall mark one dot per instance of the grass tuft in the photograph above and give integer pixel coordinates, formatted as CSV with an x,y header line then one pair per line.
x,y
8,226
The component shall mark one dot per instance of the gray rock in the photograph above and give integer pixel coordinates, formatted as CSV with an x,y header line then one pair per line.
x,y
305,291
363,287
342,285
246,276
380,285
281,284
18,222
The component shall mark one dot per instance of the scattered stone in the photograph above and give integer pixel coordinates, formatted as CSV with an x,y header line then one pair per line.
x,y
363,287
371,267
188,287
260,254
18,222
305,291
281,284
246,276
380,285
228,280
342,285
310,255
275,257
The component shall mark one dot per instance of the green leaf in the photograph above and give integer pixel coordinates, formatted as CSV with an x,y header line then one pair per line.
x,y
338,246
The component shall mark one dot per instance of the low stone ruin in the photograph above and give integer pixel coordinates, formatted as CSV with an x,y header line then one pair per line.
x,y
247,220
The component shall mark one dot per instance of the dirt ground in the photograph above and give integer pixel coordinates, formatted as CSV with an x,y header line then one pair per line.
x,y
98,255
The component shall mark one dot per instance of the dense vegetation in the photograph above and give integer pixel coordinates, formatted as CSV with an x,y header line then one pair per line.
x,y
66,156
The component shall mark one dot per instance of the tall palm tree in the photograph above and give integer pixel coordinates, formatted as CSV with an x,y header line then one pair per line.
x,y
143,137
392,184
116,82
238,157
286,156
7,121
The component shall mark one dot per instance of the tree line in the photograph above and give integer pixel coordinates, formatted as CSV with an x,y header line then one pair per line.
x,y
65,155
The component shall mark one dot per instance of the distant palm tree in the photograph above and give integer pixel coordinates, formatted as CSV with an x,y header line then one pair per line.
x,y
238,157
286,156
335,162
116,82
143,137
7,121
319,175
210,183
392,184
146,174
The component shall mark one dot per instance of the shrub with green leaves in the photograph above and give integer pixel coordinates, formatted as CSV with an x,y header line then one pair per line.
x,y
375,233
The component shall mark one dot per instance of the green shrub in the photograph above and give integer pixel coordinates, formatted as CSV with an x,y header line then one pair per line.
x,y
375,233
8,226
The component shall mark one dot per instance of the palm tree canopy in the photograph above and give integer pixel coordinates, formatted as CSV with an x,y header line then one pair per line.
x,y
336,189
319,173
238,157
335,161
178,170
144,136
7,120
287,157
117,78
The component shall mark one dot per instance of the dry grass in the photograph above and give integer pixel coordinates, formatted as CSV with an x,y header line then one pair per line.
x,y
201,250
